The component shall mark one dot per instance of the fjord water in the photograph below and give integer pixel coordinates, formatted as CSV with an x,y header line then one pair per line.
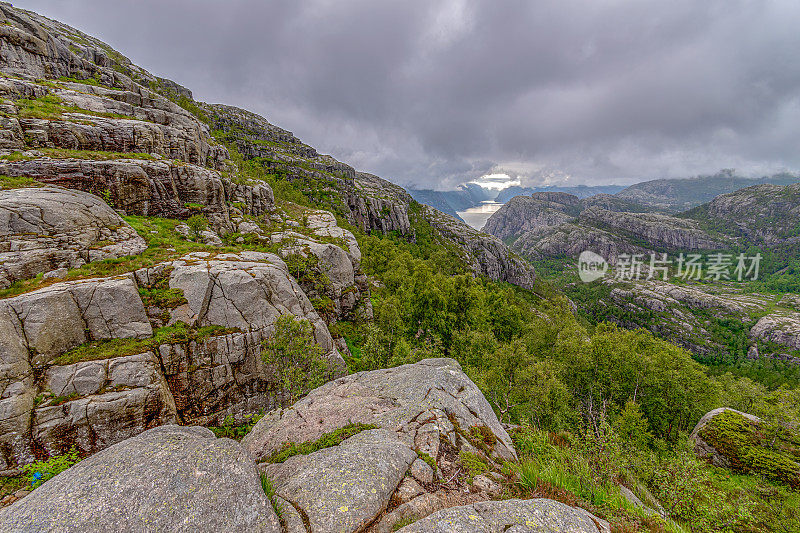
x,y
477,216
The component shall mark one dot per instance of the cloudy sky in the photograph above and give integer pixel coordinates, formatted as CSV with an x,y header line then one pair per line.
x,y
433,93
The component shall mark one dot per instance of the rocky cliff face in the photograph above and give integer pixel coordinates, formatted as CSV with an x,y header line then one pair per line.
x,y
562,225
691,316
763,214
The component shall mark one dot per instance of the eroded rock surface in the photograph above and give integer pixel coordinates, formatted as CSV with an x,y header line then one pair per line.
x,y
345,487
428,409
417,401
518,516
47,228
166,479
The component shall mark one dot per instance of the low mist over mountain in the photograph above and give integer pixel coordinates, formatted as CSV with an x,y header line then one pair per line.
x,y
680,194
581,191
209,325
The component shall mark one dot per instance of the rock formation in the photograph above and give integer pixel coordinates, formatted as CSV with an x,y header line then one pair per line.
x,y
547,225
49,228
167,479
428,409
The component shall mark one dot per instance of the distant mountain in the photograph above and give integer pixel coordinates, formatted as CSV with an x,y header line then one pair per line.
x,y
450,202
581,191
763,214
676,195
545,225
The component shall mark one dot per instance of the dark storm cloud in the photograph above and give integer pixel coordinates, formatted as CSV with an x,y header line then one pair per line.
x,y
434,93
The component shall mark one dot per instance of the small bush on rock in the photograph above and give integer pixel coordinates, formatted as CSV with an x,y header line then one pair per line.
x,y
197,225
40,471
298,360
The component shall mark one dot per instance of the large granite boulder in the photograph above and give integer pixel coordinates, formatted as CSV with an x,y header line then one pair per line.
x,y
47,228
168,479
345,487
706,450
419,402
427,410
512,516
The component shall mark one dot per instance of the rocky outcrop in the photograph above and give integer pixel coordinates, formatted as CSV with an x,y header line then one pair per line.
x,y
484,254
546,225
569,240
781,328
764,214
525,213
659,231
377,204
50,403
418,401
141,151
343,488
691,315
147,187
429,408
166,479
49,228
705,450
39,326
516,516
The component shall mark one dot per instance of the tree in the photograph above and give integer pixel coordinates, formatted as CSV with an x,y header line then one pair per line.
x,y
197,225
299,363
631,426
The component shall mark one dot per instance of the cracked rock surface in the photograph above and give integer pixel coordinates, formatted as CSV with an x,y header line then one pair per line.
x,y
345,487
517,516
170,478
416,401
427,407
46,228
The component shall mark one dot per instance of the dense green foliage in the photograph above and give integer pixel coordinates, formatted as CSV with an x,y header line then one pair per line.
x,y
298,361
766,449
607,406
40,471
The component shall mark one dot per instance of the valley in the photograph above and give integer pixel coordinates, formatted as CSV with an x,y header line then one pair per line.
x,y
208,325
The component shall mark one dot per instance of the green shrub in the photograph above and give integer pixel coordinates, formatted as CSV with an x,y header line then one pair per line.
x,y
231,430
473,463
40,471
299,362
197,225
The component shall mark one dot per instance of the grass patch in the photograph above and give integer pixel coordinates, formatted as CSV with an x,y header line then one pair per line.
x,y
334,438
231,430
269,489
428,459
18,182
51,107
474,465
107,349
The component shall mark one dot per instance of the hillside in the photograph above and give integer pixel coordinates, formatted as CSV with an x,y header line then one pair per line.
x,y
555,225
450,202
206,325
581,191
676,195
